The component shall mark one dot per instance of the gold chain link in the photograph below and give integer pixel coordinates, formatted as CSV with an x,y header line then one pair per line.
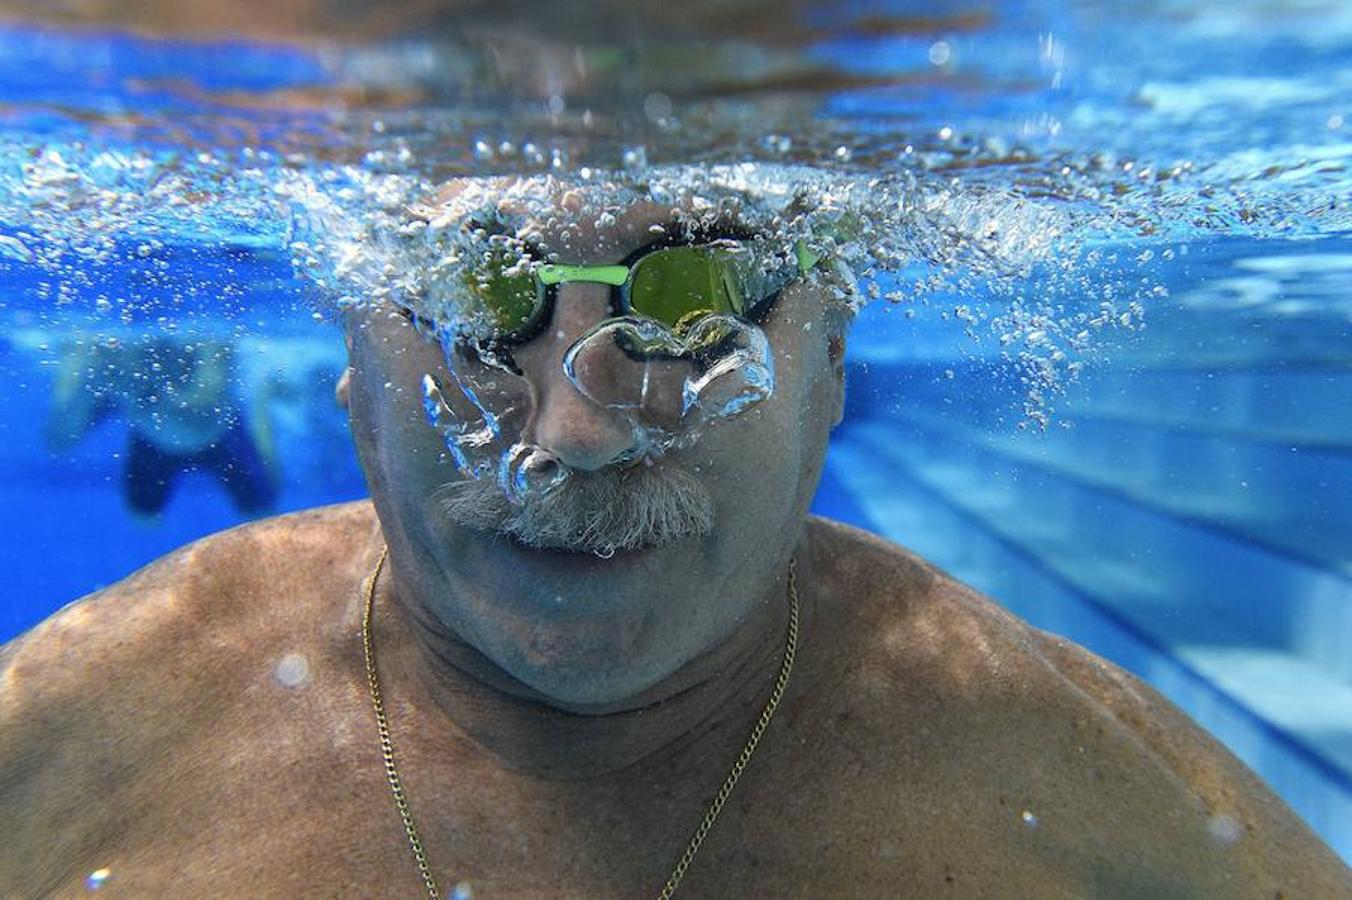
x,y
383,727
401,799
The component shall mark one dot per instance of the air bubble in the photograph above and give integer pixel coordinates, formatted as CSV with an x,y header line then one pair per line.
x,y
1224,829
292,670
657,107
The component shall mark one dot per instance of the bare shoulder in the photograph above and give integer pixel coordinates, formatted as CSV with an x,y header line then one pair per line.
x,y
209,594
1060,764
91,698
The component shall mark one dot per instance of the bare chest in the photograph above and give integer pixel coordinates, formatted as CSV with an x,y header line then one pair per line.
x,y
290,823
827,808
550,844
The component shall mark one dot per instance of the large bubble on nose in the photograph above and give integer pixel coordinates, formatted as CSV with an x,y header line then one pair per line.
x,y
479,412
479,444
669,386
737,377
470,438
673,384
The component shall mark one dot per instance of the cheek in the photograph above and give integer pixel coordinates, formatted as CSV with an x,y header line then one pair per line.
x,y
765,462
387,407
753,463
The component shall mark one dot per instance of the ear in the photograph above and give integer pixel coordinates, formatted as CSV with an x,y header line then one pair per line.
x,y
343,389
352,319
835,351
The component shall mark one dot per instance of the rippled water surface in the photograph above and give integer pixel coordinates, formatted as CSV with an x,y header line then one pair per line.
x,y
1052,165
1103,369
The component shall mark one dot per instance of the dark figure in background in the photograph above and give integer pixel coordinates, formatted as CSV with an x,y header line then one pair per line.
x,y
182,415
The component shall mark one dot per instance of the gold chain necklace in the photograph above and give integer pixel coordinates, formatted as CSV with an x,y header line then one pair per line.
x,y
397,787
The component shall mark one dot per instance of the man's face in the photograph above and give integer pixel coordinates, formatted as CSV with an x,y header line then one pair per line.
x,y
583,631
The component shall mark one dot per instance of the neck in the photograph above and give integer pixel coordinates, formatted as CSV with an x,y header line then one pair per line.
x,y
702,709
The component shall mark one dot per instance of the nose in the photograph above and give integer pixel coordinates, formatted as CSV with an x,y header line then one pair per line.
x,y
566,424
576,431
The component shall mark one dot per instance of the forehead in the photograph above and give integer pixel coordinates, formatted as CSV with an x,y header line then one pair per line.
x,y
583,222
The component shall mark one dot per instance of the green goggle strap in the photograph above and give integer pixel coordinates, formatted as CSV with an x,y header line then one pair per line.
x,y
554,274
618,275
844,228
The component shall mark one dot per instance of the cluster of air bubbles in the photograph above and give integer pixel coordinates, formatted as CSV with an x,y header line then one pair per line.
x,y
528,152
1041,236
976,254
976,229
416,245
372,233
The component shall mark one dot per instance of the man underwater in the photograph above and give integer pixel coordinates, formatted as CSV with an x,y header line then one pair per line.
x,y
182,415
585,640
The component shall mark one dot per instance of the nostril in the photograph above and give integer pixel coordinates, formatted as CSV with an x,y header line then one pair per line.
x,y
577,434
529,470
541,465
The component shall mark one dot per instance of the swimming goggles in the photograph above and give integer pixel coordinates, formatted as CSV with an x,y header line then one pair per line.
x,y
675,285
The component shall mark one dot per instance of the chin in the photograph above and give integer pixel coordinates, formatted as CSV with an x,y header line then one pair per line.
x,y
586,688
587,656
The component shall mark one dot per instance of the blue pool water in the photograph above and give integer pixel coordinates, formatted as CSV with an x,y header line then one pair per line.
x,y
1169,483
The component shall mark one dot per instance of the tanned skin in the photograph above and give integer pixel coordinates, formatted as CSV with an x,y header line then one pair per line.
x,y
145,730
562,722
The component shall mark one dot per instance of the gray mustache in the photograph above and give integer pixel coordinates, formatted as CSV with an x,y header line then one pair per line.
x,y
594,512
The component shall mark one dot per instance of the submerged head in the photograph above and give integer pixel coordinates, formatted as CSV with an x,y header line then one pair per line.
x,y
629,533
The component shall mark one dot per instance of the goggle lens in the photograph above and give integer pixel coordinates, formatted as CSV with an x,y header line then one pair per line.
x,y
678,285
675,286
507,290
